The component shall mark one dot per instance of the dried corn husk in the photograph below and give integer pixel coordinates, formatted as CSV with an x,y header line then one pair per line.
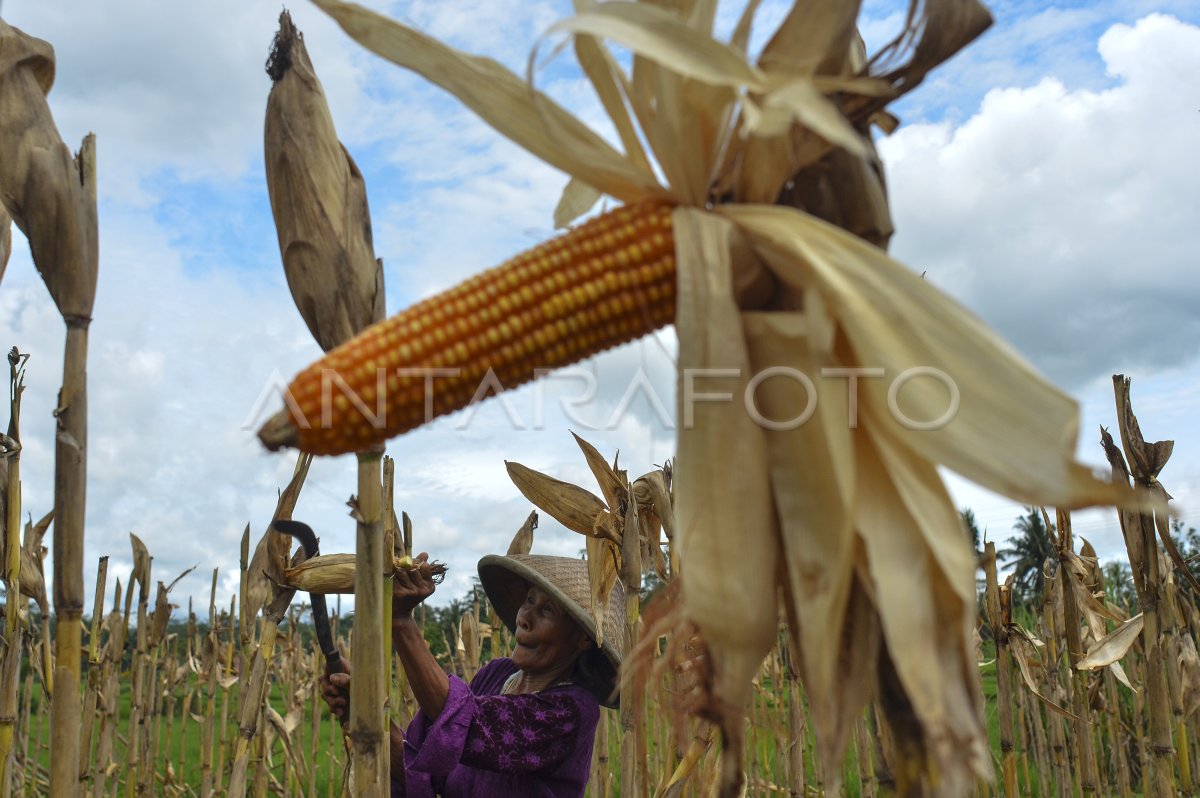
x,y
572,506
33,556
51,195
522,542
1112,647
270,560
851,514
49,192
5,239
334,573
319,200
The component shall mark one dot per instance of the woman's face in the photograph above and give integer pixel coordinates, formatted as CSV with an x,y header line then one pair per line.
x,y
547,638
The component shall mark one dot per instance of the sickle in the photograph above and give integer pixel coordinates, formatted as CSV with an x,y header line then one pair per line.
x,y
308,539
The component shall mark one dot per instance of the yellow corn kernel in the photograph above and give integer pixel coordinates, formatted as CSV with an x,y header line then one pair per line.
x,y
600,285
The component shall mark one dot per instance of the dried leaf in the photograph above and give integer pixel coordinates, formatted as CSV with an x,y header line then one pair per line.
x,y
570,505
1145,459
651,492
141,567
725,596
265,571
501,99
604,561
33,581
1113,646
1023,450
613,485
1094,611
1028,662
1189,670
1119,673
577,199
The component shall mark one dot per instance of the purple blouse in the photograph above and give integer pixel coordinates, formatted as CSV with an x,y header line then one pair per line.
x,y
502,746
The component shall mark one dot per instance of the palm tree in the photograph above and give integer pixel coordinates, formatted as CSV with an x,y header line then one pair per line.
x,y
972,527
1027,554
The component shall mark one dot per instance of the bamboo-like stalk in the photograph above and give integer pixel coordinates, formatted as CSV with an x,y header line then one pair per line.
x,y
212,660
1058,745
632,710
230,648
52,198
26,711
95,673
316,669
70,485
1040,750
1120,763
1021,727
156,685
1082,738
139,665
10,504
1004,697
367,727
862,749
252,697
1143,463
1174,627
110,673
392,542
796,725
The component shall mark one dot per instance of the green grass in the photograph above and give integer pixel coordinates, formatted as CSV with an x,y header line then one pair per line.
x,y
180,742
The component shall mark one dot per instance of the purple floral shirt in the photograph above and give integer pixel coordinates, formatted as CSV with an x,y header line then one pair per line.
x,y
501,746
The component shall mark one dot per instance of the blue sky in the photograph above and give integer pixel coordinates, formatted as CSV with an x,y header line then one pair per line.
x,y
1046,177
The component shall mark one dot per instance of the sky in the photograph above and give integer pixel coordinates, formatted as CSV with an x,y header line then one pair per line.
x,y
1046,177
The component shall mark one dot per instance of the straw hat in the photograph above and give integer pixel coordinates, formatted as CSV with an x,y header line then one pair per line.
x,y
506,580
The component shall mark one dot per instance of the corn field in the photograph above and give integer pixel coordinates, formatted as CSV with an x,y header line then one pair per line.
x,y
185,712
824,650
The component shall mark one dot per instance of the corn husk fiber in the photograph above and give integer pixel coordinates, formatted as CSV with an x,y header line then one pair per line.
x,y
781,216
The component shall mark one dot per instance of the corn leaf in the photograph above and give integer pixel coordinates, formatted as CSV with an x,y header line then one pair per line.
x,y
570,505
500,98
1023,450
1113,646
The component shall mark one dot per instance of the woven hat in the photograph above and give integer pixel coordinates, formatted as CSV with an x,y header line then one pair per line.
x,y
507,579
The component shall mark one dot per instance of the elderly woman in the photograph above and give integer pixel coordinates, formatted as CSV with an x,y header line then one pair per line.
x,y
526,724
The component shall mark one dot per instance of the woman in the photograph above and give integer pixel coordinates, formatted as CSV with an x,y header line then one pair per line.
x,y
526,724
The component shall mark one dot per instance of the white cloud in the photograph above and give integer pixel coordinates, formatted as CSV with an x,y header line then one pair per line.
x,y
1062,216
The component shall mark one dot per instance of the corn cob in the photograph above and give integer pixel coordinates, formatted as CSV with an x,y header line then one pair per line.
x,y
607,282
334,573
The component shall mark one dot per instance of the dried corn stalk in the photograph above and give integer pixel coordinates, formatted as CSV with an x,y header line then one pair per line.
x,y
319,201
52,198
848,512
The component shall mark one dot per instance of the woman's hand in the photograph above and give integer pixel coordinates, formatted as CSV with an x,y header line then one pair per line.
x,y
411,586
335,690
